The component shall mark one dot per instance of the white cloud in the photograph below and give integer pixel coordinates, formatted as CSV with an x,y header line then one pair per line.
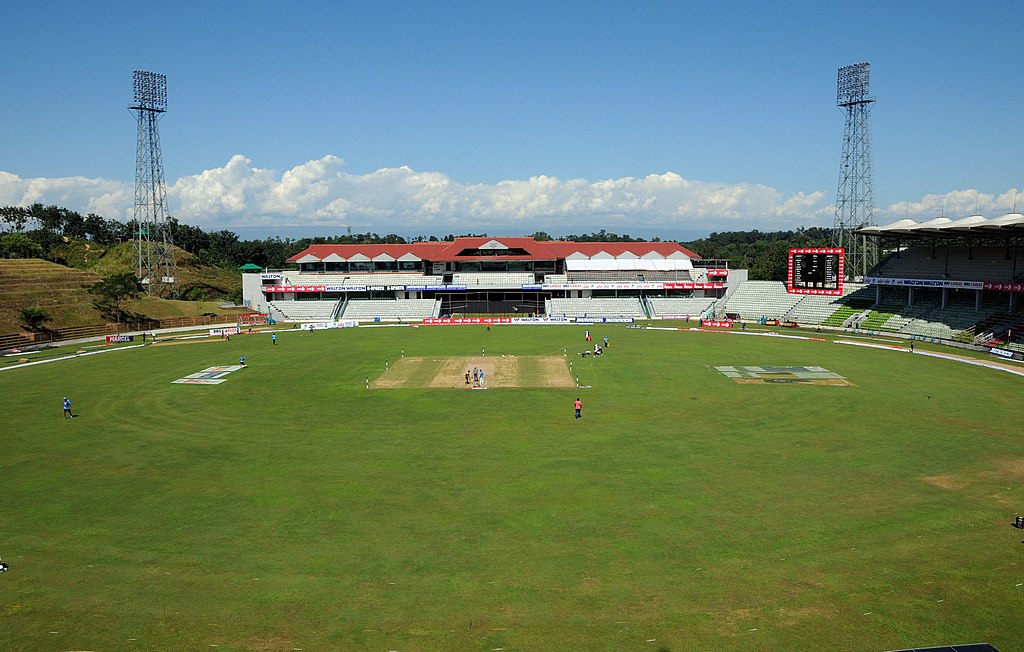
x,y
403,200
956,204
112,199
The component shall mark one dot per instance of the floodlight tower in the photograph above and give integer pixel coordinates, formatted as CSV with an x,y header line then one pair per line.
x,y
154,258
855,198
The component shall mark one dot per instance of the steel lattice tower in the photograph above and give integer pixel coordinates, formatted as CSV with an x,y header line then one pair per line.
x,y
855,198
154,257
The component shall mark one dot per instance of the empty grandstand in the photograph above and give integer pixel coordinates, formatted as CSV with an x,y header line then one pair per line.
x,y
754,300
296,311
590,307
390,309
679,308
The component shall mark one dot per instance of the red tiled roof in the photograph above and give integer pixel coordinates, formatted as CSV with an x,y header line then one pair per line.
x,y
535,250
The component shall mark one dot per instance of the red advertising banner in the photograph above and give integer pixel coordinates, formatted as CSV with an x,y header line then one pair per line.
x,y
718,272
1003,287
716,323
694,286
294,288
450,321
112,339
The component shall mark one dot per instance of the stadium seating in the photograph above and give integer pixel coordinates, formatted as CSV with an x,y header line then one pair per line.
x,y
391,309
497,280
591,307
669,307
604,276
961,263
814,309
756,299
294,311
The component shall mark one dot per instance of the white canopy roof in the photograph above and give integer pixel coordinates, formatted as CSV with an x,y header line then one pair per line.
x,y
627,264
1009,224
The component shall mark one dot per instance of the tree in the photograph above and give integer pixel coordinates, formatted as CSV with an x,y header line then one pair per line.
x,y
34,318
14,216
113,291
19,245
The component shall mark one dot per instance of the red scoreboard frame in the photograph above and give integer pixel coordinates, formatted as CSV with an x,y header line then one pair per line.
x,y
815,257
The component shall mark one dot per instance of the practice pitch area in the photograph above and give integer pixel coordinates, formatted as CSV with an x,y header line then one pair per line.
x,y
344,491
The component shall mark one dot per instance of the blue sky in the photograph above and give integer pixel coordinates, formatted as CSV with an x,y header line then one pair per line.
x,y
656,118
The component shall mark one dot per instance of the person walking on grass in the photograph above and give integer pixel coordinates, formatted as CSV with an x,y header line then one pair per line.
x,y
241,360
273,338
579,408
67,408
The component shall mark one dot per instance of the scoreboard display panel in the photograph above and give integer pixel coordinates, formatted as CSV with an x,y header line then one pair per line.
x,y
816,270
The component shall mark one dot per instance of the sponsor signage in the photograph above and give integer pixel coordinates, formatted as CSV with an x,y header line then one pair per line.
x,y
694,286
927,283
628,286
112,339
717,272
602,286
716,323
460,321
270,276
533,286
1002,353
315,288
1004,287
295,288
435,288
448,321
322,325
231,330
604,320
208,376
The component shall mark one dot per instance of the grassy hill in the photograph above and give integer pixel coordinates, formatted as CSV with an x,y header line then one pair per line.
x,y
53,287
59,289
195,278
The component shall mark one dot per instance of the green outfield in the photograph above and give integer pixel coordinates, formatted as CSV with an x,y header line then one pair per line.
x,y
313,502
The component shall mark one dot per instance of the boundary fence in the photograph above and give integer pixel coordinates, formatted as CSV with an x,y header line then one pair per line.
x,y
80,332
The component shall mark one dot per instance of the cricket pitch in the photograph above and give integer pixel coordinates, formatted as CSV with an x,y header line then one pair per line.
x,y
499,372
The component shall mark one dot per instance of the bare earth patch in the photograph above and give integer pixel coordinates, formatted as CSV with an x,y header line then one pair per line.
x,y
499,371
946,481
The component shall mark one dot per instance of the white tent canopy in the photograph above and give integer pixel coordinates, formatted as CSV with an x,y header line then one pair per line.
x,y
628,264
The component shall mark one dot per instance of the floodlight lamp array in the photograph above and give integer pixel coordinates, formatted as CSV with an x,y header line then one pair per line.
x,y
853,84
150,90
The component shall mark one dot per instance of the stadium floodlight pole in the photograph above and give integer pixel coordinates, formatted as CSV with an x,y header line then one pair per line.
x,y
855,196
154,256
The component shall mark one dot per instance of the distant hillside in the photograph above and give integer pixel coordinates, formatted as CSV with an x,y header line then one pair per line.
x,y
35,283
196,280
41,284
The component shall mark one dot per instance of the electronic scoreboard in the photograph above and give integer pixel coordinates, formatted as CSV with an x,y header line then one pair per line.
x,y
816,270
